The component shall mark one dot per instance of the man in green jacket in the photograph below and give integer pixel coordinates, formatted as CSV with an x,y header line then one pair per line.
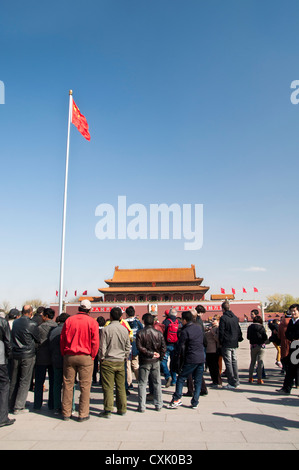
x,y
114,350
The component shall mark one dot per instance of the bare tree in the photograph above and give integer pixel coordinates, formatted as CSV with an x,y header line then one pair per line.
x,y
35,303
5,306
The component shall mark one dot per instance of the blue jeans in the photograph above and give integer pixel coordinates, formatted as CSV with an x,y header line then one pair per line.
x,y
164,367
197,373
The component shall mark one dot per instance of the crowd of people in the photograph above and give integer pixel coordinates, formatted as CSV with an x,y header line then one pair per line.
x,y
78,349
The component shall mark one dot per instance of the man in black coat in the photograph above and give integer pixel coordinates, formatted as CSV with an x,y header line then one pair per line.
x,y
292,360
5,350
229,337
25,337
191,359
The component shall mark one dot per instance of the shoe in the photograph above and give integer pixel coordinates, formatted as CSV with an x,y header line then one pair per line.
x,y
278,364
194,407
168,382
203,394
157,408
66,418
7,423
86,418
140,410
149,397
105,414
216,386
20,411
260,382
229,387
283,391
121,413
174,404
250,381
128,392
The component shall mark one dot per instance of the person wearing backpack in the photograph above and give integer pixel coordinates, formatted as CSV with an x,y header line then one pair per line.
x,y
172,326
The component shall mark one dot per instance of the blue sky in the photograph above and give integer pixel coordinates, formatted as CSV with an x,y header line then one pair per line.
x,y
188,102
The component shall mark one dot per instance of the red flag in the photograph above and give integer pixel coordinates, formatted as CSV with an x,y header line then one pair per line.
x,y
57,293
80,121
75,293
222,291
234,291
66,293
255,289
85,292
244,290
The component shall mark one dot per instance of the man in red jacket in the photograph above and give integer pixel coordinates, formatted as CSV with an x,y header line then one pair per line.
x,y
79,345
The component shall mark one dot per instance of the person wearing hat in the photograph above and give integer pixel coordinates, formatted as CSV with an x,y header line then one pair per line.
x,y
79,345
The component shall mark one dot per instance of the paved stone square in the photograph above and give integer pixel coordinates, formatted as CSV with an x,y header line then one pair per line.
x,y
253,417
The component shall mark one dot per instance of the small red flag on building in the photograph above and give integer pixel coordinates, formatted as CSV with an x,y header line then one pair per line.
x,y
85,292
66,293
234,291
75,293
222,291
57,293
244,290
80,121
255,289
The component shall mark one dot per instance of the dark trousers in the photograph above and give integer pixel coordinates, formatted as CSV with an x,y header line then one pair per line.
x,y
212,360
190,385
40,377
291,377
4,393
20,382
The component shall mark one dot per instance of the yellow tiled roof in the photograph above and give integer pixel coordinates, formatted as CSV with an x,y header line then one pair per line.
x,y
153,275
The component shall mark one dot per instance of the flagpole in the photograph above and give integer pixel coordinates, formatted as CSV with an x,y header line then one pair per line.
x,y
64,204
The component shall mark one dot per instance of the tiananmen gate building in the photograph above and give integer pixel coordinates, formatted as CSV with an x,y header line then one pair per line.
x,y
162,288
154,285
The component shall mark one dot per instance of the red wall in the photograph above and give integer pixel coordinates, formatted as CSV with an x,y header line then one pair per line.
x,y
239,308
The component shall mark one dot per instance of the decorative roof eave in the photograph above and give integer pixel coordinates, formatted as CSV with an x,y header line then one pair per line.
x,y
112,290
110,282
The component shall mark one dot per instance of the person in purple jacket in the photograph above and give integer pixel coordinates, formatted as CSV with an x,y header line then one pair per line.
x,y
190,359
